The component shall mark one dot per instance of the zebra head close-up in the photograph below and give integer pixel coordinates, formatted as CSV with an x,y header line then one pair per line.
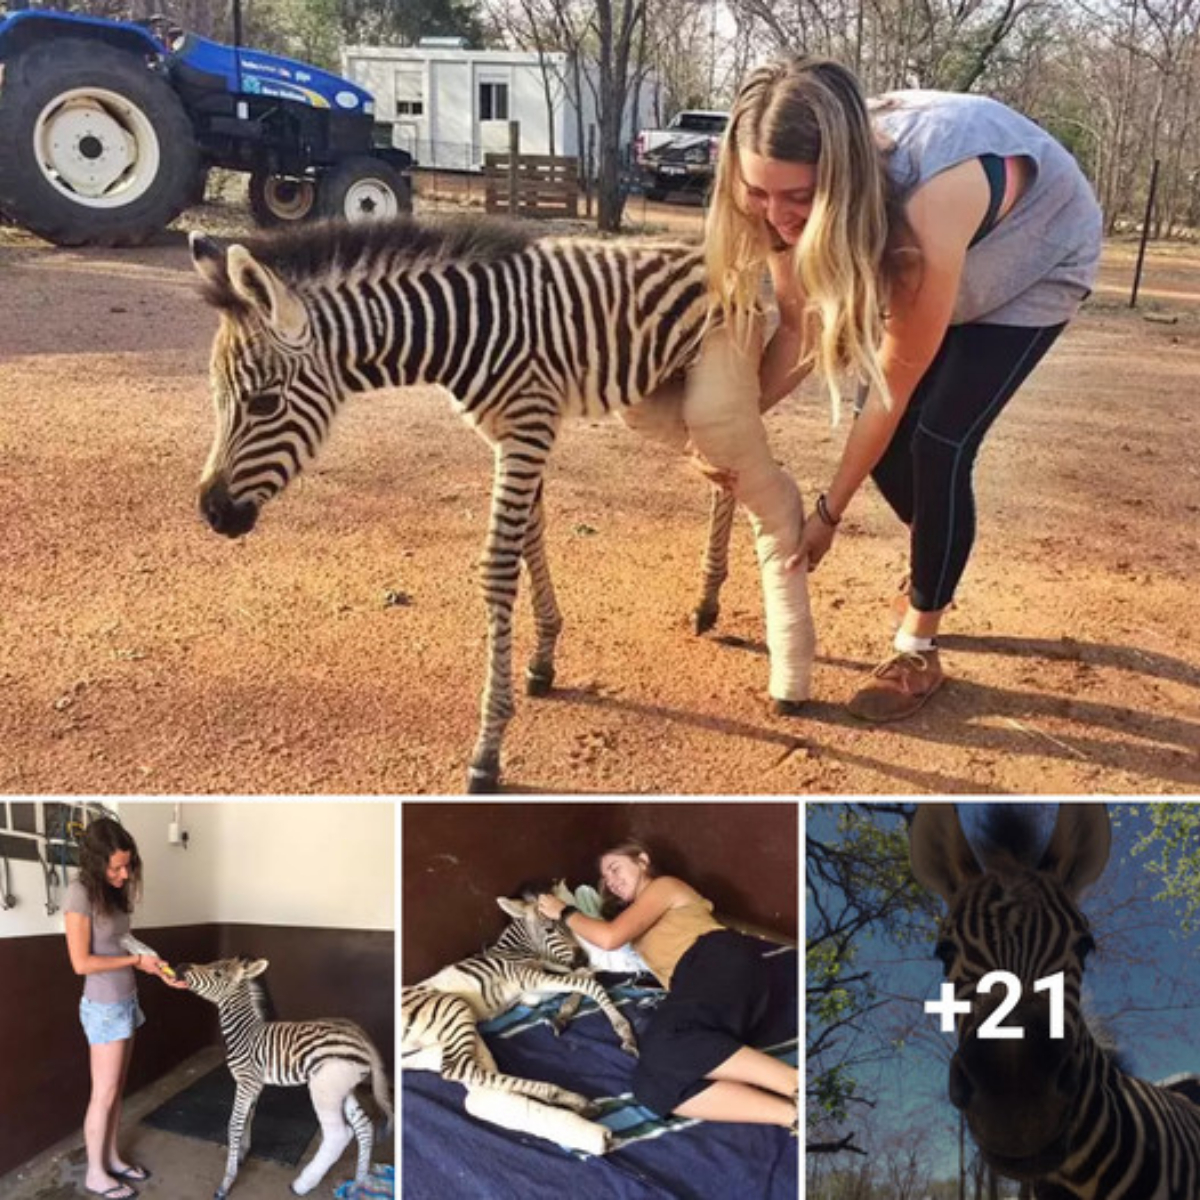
x,y
1047,1104
273,392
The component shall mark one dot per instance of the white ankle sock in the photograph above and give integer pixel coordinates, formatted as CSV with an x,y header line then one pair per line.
x,y
908,643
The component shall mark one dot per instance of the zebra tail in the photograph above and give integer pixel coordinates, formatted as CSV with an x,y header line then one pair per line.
x,y
379,1089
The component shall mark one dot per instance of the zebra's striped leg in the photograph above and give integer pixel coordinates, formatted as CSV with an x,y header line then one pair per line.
x,y
244,1100
714,568
244,1150
587,985
520,461
566,1010
361,1124
547,620
329,1088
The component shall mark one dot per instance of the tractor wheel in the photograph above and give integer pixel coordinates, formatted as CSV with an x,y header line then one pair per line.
x,y
656,194
363,189
99,150
281,199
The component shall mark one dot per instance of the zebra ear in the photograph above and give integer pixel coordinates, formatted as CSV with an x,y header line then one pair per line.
x,y
266,294
562,892
1079,846
252,968
519,910
942,858
208,258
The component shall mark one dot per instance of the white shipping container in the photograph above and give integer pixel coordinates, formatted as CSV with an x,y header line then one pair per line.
x,y
448,107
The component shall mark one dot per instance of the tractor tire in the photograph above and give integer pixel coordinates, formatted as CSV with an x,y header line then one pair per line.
x,y
363,188
656,194
281,199
98,149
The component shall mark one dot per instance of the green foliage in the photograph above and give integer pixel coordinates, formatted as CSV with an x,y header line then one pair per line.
x,y
861,889
1172,850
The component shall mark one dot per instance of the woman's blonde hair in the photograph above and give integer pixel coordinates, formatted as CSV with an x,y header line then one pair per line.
x,y
811,111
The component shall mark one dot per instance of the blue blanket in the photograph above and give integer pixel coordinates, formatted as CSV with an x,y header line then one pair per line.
x,y
446,1154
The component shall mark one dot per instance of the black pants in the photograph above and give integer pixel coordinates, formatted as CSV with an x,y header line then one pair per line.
x,y
719,996
925,473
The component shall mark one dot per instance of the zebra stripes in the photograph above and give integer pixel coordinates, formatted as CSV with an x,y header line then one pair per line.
x,y
532,958
522,333
1055,1111
331,1056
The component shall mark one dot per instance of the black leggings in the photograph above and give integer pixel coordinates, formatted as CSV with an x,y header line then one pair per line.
x,y
925,473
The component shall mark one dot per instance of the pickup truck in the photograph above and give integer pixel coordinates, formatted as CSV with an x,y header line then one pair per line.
x,y
683,156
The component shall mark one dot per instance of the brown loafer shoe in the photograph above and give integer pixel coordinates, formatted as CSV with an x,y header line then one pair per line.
x,y
898,688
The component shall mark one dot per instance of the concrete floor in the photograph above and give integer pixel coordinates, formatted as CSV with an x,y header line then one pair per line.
x,y
184,1168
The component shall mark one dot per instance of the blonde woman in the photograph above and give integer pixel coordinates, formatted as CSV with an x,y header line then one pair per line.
x,y
694,1058
932,246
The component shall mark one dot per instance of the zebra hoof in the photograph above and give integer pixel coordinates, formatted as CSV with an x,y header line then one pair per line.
x,y
538,682
703,619
483,781
789,708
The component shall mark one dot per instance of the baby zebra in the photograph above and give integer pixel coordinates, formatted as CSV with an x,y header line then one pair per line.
x,y
532,959
331,1056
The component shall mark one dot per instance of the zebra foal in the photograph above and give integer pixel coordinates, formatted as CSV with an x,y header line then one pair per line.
x,y
522,333
533,958
1053,1110
331,1056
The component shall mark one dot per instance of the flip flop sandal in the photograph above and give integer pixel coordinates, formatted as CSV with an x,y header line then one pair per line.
x,y
136,1173
119,1191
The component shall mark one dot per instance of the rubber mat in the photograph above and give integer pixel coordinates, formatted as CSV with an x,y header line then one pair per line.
x,y
284,1121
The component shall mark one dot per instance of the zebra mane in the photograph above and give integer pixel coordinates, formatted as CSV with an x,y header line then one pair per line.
x,y
260,998
316,251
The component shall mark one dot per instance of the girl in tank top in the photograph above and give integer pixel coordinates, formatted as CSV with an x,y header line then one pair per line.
x,y
695,1058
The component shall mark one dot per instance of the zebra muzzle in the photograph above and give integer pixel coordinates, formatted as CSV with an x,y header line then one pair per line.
x,y
225,515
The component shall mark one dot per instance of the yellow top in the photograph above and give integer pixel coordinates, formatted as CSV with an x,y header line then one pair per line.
x,y
673,935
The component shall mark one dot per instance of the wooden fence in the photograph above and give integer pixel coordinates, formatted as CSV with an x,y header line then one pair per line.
x,y
531,185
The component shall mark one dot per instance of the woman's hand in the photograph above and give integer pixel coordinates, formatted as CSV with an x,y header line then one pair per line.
x,y
815,539
549,906
149,965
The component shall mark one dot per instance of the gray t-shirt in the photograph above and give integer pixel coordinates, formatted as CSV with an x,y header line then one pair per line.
x,y
1038,264
105,987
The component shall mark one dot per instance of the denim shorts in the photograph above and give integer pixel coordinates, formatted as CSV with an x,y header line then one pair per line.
x,y
110,1022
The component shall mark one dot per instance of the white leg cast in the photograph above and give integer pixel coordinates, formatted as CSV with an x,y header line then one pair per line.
x,y
659,417
328,1088
525,1115
722,415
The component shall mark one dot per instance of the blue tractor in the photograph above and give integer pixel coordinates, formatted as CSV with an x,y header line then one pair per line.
x,y
108,129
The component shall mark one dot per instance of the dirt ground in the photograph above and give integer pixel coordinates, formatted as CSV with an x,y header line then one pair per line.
x,y
141,653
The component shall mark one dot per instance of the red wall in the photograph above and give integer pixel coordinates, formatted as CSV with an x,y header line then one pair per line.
x,y
458,857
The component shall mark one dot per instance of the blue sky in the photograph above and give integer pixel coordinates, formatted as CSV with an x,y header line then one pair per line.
x,y
1143,983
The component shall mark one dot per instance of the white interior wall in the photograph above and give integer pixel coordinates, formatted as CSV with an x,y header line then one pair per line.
x,y
328,864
